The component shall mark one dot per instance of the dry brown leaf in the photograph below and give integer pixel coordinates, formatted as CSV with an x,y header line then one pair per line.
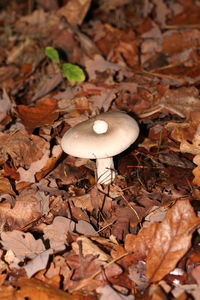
x,y
27,209
50,164
112,4
83,227
25,52
57,231
171,240
7,293
35,289
22,244
35,167
5,186
83,202
194,149
43,113
108,293
88,247
75,11
98,64
38,263
181,101
141,243
22,148
49,84
5,105
88,272
157,293
196,171
175,41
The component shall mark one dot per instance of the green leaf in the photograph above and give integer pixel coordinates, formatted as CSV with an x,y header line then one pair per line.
x,y
52,53
73,72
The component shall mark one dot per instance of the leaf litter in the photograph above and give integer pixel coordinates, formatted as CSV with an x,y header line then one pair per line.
x,y
62,235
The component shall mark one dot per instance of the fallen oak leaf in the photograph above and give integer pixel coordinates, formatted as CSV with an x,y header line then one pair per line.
x,y
171,240
22,244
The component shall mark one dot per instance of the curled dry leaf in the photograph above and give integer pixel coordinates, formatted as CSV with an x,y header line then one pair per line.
x,y
171,240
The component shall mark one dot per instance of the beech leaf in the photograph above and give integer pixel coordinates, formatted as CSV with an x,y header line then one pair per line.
x,y
171,240
52,53
22,244
73,72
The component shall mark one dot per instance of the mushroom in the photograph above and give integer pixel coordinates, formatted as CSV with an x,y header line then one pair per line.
x,y
100,138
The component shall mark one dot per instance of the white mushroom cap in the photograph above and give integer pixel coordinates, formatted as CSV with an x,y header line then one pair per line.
x,y
118,133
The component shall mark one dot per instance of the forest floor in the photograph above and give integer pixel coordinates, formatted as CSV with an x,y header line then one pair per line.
x,y
63,236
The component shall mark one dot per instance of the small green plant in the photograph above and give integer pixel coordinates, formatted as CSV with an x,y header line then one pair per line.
x,y
72,72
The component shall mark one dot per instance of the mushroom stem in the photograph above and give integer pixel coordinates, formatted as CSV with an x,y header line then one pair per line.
x,y
105,170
